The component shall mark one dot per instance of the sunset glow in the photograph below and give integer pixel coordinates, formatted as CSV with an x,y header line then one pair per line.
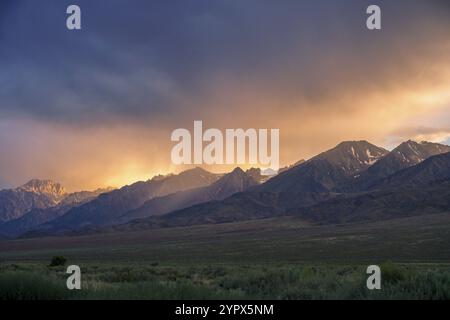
x,y
319,83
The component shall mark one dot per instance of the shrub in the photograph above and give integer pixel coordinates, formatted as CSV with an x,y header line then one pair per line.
x,y
58,261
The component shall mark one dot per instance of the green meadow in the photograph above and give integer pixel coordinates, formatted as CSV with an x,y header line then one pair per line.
x,y
266,259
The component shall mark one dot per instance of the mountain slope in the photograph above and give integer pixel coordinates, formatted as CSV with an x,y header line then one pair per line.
x,y
420,189
379,204
407,154
229,184
110,206
37,216
327,170
48,188
36,194
238,207
433,169
303,184
299,162
409,180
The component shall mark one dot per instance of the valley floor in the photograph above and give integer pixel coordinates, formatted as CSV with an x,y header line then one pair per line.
x,y
281,258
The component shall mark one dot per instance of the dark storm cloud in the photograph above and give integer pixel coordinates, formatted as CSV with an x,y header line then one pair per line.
x,y
159,59
96,107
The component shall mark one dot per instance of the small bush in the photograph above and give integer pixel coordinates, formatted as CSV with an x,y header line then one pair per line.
x,y
58,261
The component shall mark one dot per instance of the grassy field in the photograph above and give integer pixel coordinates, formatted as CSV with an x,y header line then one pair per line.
x,y
266,259
280,281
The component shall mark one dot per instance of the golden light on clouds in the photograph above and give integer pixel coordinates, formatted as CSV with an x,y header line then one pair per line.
x,y
319,83
131,171
83,157
122,153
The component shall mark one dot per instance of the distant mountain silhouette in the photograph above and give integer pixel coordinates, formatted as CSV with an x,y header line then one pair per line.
x,y
418,189
227,185
38,216
14,204
303,184
45,187
108,207
354,181
35,194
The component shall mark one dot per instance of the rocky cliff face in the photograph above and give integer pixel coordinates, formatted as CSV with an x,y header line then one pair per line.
x,y
39,195
48,188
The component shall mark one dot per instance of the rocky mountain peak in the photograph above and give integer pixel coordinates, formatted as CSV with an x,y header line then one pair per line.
x,y
412,152
353,156
44,187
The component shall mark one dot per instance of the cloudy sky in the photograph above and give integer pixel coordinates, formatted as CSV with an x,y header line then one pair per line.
x,y
96,107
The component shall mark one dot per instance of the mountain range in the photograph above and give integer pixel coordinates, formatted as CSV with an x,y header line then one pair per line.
x,y
420,189
227,185
354,181
327,170
407,154
38,194
311,190
37,202
109,207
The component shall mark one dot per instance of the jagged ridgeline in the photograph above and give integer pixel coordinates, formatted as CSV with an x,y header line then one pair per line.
x,y
354,181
